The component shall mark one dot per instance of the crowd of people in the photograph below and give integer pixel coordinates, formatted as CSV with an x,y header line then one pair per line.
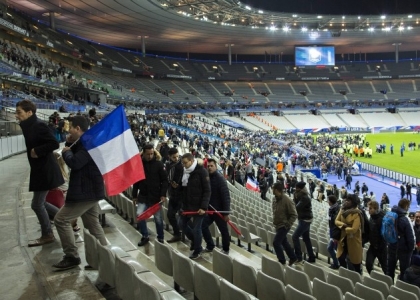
x,y
195,187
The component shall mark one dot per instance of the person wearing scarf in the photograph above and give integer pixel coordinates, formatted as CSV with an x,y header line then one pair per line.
x,y
350,221
195,198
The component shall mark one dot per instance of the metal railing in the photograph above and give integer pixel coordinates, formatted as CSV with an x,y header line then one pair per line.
x,y
9,128
385,173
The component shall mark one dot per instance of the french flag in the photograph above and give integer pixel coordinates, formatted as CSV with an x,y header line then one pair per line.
x,y
111,145
252,185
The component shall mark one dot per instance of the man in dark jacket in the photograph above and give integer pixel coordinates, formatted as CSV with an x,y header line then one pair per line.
x,y
263,185
412,274
349,179
312,187
175,170
377,248
45,172
195,198
150,191
86,188
220,201
304,211
335,232
403,248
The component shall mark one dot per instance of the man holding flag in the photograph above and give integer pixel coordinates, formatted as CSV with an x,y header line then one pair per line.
x,y
151,191
86,188
196,197
219,201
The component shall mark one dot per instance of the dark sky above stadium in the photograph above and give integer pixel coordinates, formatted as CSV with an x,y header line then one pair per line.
x,y
344,7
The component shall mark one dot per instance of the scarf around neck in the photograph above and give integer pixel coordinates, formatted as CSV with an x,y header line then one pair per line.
x,y
187,172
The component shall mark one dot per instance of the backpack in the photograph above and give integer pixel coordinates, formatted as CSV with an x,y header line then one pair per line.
x,y
389,227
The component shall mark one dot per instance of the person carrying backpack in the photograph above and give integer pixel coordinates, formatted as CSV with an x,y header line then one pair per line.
x,y
402,249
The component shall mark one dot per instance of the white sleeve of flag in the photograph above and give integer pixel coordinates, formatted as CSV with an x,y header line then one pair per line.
x,y
115,152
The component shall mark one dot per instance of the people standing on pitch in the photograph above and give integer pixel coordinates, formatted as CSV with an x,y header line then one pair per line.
x,y
350,221
150,191
391,148
304,210
86,188
408,191
402,149
45,173
220,201
377,245
175,171
195,198
402,190
349,179
284,215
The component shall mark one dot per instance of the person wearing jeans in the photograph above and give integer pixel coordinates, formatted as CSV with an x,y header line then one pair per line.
x,y
86,188
195,200
335,232
142,226
45,173
150,191
219,201
284,215
304,212
175,171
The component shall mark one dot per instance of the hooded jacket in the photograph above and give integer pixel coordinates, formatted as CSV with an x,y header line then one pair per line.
x,y
155,185
406,239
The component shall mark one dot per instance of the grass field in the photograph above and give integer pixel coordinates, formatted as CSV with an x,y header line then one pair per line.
x,y
409,164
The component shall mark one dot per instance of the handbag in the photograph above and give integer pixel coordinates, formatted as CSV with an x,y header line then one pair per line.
x,y
55,197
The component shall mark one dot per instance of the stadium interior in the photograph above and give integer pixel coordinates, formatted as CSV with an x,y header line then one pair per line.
x,y
66,73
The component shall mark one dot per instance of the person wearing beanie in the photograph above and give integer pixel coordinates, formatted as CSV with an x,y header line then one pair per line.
x,y
350,221
304,211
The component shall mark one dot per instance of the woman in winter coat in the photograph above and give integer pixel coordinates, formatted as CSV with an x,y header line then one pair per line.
x,y
350,221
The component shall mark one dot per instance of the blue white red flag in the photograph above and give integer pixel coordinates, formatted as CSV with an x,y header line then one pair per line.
x,y
252,185
111,145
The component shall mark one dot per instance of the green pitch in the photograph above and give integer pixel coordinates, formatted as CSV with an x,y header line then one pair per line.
x,y
409,164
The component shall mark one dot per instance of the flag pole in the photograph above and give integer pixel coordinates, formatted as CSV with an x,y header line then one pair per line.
x,y
238,232
59,152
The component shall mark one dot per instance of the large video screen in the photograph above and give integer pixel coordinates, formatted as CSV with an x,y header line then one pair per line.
x,y
314,56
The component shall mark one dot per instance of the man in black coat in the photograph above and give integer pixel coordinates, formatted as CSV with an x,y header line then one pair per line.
x,y
86,188
220,201
175,170
304,211
195,199
150,191
45,172
377,248
402,250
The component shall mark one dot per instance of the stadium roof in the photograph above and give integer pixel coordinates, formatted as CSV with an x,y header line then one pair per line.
x,y
208,26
